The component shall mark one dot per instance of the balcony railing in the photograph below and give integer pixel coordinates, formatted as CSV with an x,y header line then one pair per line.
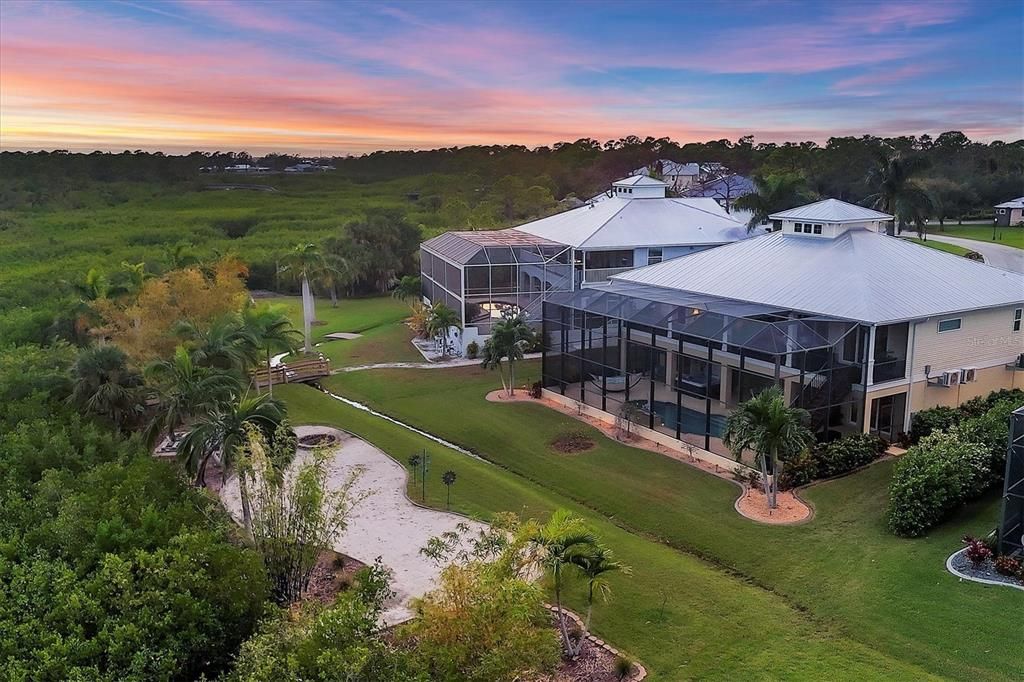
x,y
602,274
888,370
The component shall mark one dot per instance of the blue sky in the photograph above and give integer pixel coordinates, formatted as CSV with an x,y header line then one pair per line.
x,y
352,77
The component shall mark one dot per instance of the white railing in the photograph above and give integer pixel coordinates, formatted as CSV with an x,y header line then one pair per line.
x,y
602,274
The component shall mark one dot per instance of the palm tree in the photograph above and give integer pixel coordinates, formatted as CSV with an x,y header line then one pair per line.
x,y
272,331
179,256
105,385
595,564
407,287
775,192
131,277
334,272
440,322
554,546
185,389
769,427
510,338
226,344
222,428
895,192
305,262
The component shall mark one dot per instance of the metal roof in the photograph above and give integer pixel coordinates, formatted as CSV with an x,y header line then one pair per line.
x,y
488,246
1012,203
860,275
618,222
639,181
671,168
831,211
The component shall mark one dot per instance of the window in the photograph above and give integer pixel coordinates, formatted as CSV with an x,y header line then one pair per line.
x,y
950,325
817,229
1001,211
656,255
798,227
1017,319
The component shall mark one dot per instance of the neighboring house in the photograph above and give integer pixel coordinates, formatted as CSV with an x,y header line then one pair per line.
x,y
308,167
859,328
246,168
725,188
679,176
479,273
1010,213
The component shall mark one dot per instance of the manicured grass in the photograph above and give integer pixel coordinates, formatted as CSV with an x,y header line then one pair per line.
x,y
1008,236
379,319
683,617
943,246
843,570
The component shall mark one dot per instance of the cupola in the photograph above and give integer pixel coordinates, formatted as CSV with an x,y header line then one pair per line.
x,y
639,187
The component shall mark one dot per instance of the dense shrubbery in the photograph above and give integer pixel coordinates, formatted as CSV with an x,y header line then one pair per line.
x,y
826,460
940,418
932,480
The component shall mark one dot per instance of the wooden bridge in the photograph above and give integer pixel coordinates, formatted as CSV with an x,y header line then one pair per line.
x,y
307,369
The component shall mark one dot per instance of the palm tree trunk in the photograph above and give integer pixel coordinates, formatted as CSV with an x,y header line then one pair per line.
x,y
561,616
243,492
765,482
511,377
772,478
307,313
334,296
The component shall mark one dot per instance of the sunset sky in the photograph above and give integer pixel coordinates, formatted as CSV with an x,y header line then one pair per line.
x,y
342,78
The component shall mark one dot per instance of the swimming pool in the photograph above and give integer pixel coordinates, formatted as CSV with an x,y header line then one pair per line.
x,y
690,421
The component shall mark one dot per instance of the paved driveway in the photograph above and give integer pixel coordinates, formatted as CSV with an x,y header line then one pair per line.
x,y
997,255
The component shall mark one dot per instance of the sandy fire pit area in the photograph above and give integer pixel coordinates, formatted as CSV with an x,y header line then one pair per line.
x,y
385,524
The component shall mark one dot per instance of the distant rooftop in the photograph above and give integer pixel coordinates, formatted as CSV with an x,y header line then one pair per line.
x,y
1012,203
831,211
640,181
671,168
860,275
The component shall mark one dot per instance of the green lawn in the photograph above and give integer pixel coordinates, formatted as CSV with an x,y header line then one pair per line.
x,y
943,246
860,592
1010,236
379,319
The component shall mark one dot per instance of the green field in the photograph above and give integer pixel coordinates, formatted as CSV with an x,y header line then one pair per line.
x,y
714,595
942,246
379,319
1008,236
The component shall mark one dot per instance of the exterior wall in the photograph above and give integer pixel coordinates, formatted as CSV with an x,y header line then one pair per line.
x,y
985,339
1009,216
987,380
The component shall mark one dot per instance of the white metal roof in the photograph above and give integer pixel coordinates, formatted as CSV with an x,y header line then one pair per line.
x,y
831,211
1012,203
640,181
860,275
618,222
672,168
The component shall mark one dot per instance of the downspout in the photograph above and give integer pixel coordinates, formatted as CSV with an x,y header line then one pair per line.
x,y
910,374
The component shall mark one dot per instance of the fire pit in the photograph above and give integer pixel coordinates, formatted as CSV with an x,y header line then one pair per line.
x,y
318,440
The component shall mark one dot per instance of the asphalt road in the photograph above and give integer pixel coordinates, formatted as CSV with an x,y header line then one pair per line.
x,y
996,255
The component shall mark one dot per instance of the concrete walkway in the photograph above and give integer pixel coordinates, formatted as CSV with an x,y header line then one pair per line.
x,y
997,255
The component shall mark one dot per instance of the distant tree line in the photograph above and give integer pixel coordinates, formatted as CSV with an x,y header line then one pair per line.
x,y
969,176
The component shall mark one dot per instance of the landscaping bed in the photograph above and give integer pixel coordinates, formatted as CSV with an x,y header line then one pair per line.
x,y
572,443
333,574
958,564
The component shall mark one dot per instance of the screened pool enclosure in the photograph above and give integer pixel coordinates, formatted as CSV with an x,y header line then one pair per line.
x,y
679,362
477,274
1011,527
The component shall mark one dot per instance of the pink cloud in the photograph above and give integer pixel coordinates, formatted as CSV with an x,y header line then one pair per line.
x,y
875,82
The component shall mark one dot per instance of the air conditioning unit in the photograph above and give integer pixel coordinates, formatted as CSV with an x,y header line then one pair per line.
x,y
949,378
968,374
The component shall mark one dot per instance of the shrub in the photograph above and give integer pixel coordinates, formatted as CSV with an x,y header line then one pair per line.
x,y
623,667
977,551
848,453
536,390
1008,566
991,430
923,423
799,469
975,407
933,479
472,350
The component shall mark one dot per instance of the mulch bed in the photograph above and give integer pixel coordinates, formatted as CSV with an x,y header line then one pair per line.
x,y
572,443
328,579
594,664
315,440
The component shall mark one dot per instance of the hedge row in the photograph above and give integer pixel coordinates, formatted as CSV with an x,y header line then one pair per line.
x,y
826,460
953,465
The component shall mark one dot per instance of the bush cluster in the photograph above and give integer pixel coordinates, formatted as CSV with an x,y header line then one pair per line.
x,y
933,479
826,460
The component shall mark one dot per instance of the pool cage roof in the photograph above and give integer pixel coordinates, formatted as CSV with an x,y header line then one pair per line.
x,y
752,326
495,247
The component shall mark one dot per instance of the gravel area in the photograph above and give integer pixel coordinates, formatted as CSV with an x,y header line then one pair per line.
x,y
385,524
959,566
